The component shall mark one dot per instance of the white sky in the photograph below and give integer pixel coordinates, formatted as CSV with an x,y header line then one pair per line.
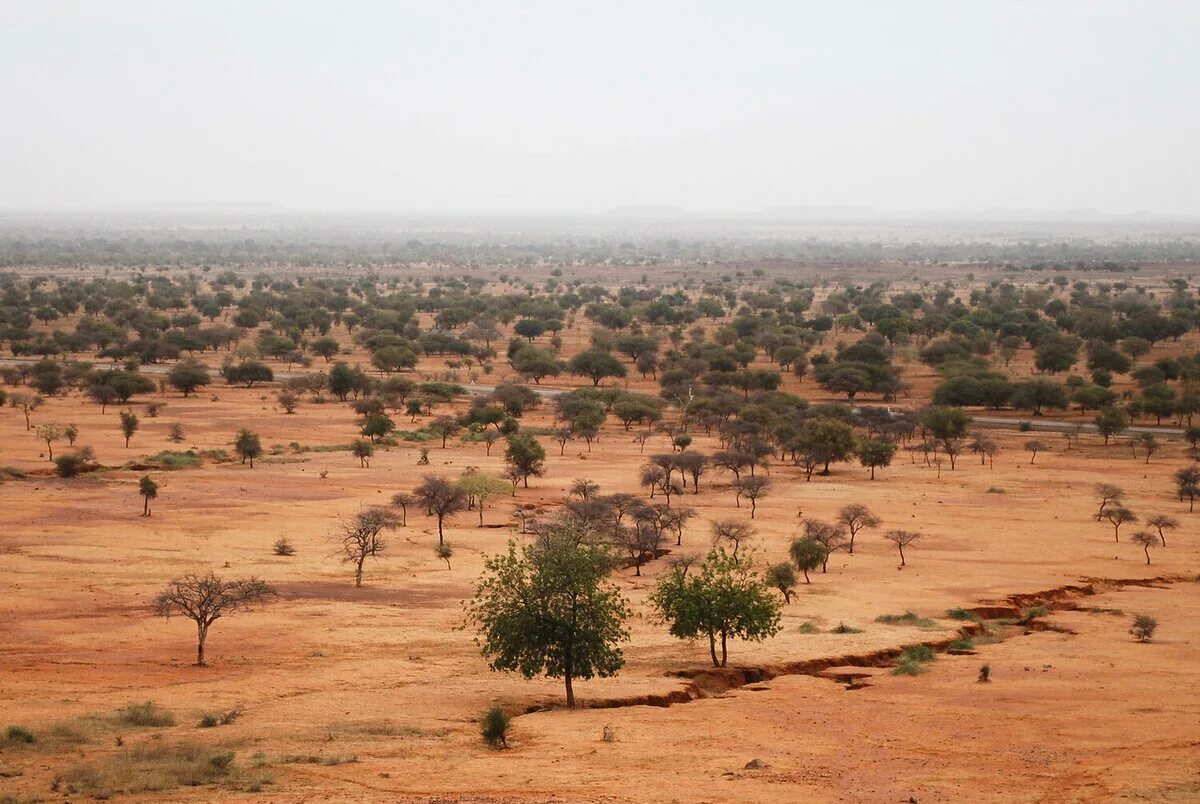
x,y
567,107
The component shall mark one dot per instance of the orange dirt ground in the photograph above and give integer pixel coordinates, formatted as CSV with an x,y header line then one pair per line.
x,y
385,675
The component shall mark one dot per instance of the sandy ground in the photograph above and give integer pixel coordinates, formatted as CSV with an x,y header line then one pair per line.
x,y
384,673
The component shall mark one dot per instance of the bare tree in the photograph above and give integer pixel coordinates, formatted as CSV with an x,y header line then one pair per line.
x,y
584,489
361,537
441,498
204,599
753,489
732,531
1119,515
1145,539
1033,448
854,517
902,539
1162,522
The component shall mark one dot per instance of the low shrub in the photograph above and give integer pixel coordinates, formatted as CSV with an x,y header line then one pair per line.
x,y
145,714
907,618
493,727
842,628
961,614
17,735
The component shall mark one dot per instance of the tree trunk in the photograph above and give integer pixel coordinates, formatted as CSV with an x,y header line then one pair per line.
x,y
901,554
441,538
724,649
358,570
712,649
201,636
146,507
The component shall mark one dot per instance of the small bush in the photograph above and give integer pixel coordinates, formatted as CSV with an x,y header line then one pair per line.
x,y
18,734
170,459
283,547
907,618
145,714
70,464
913,660
210,719
996,490
961,614
1025,426
961,644
494,727
147,768
842,628
1143,627
808,627
1033,612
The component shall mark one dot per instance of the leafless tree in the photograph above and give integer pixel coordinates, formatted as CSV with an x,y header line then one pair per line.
x,y
204,599
361,537
753,489
584,489
902,539
1108,494
401,500
732,531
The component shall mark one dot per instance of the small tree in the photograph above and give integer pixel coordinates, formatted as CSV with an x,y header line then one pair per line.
x,y
444,427
149,490
363,450
1187,484
1111,421
1162,522
807,555
444,552
876,452
482,487
1148,443
753,489
129,425
1145,539
1108,494
493,727
855,517
1143,627
1033,448
204,599
902,539
548,609
188,375
1118,515
27,403
441,498
376,425
247,445
584,489
783,577
724,599
733,532
525,456
288,400
401,500
49,433
361,537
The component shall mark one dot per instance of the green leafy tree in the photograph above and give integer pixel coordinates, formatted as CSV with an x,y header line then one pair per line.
x,y
876,452
596,365
546,609
1111,421
525,456
722,598
782,576
247,445
129,425
441,498
188,375
363,450
148,489
481,487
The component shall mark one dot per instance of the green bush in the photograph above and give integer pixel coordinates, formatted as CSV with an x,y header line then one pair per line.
x,y
18,734
961,614
913,660
842,628
494,727
145,714
809,627
170,459
961,644
907,618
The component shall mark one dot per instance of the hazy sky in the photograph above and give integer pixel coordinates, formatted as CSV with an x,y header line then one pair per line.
x,y
565,106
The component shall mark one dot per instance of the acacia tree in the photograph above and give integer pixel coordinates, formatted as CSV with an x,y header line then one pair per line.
x,y
1108,494
1145,539
480,487
547,609
902,539
525,457
361,537
855,517
829,535
129,425
401,500
584,489
49,433
1033,448
731,531
753,489
247,445
1162,522
807,555
1118,515
724,598
876,452
783,577
204,599
441,498
149,490
1187,484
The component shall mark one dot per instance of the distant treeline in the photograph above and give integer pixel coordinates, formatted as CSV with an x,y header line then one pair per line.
x,y
238,247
